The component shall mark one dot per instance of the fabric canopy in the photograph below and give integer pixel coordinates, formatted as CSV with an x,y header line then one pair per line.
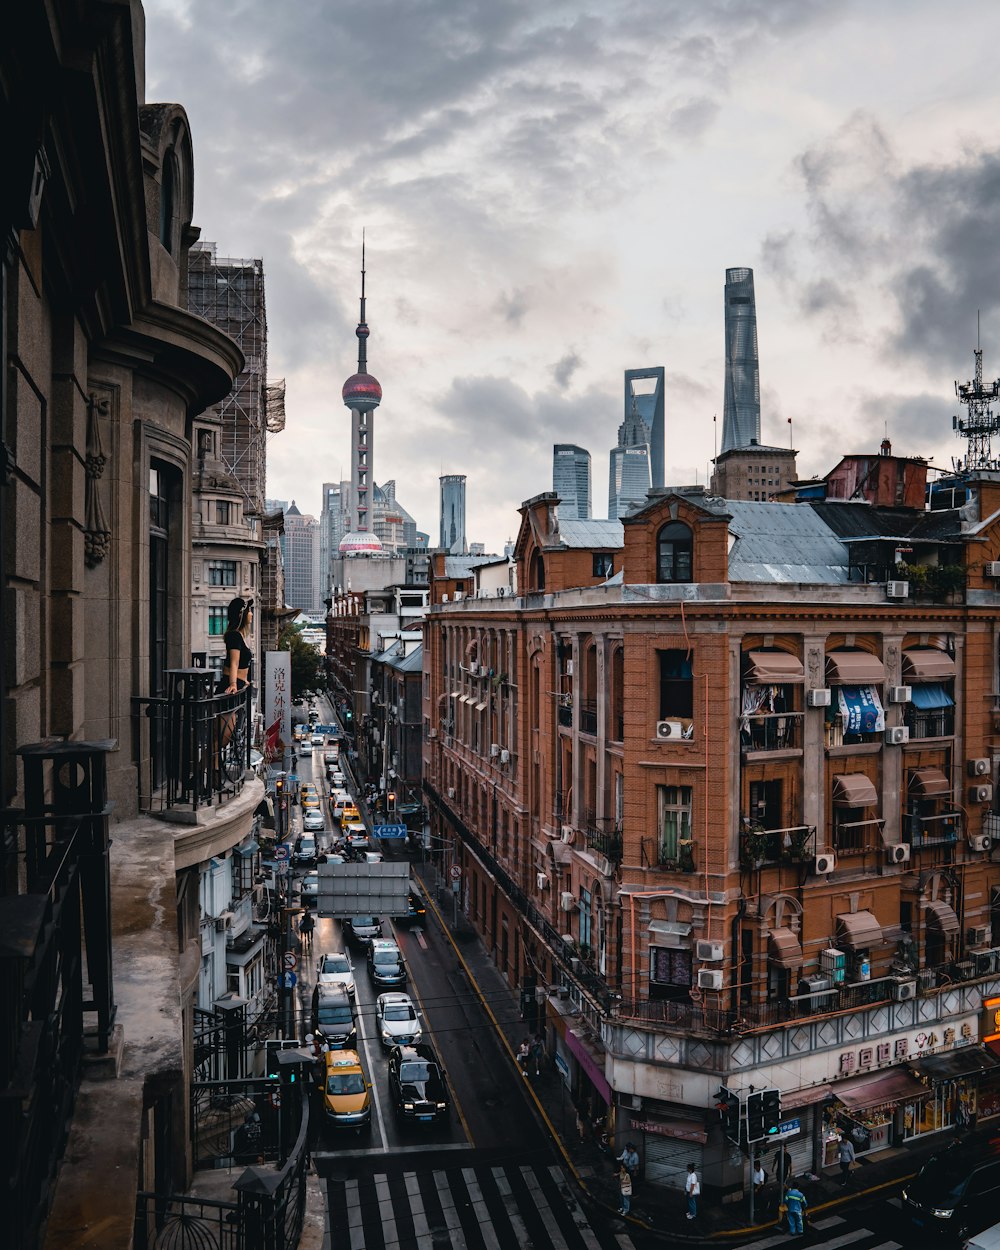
x,y
774,668
481,707
966,1061
784,949
928,782
854,668
930,697
854,790
861,709
941,917
880,1089
928,664
858,929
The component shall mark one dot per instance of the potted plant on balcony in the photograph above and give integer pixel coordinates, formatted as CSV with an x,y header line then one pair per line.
x,y
794,849
685,854
753,846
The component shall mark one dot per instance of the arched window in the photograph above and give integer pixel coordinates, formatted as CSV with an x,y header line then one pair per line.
x,y
673,553
168,198
537,571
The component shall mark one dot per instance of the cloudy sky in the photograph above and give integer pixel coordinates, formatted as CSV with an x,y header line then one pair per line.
x,y
552,193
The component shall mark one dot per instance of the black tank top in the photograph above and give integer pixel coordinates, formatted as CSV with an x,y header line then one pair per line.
x,y
236,642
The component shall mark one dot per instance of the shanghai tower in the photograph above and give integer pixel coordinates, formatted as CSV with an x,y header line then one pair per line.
x,y
741,406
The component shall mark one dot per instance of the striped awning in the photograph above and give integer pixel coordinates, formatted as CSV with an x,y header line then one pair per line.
x,y
858,930
854,790
784,948
928,664
941,917
854,668
929,782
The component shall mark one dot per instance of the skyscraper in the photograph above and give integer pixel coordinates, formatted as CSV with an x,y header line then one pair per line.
x,y
301,551
571,480
741,402
650,403
629,479
453,513
362,394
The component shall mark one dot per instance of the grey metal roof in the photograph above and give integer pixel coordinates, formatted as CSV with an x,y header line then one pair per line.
x,y
462,566
591,532
780,542
412,663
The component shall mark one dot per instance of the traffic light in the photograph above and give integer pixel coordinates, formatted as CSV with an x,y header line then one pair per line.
x,y
279,787
771,1111
390,799
755,1117
728,1106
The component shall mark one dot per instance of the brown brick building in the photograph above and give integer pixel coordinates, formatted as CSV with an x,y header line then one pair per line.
x,y
724,796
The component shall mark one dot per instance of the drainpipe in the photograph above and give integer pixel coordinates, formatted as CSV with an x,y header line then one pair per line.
x,y
734,937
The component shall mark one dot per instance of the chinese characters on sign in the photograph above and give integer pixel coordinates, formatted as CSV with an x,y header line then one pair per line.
x,y
277,702
900,1049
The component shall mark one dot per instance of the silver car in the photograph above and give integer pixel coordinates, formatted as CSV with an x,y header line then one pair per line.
x,y
335,968
397,1020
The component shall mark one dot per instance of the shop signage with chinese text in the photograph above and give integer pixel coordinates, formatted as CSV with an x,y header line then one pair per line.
x,y
930,1041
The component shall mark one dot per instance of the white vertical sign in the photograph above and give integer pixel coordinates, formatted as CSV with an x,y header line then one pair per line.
x,y
277,703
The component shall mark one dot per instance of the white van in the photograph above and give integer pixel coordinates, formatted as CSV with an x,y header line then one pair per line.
x,y
988,1239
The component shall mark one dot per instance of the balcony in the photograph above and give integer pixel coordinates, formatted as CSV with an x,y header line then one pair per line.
x,y
858,837
772,846
939,724
771,731
943,829
565,713
672,855
588,717
835,735
604,837
197,752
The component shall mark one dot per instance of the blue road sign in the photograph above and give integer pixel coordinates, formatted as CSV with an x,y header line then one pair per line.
x,y
389,831
288,980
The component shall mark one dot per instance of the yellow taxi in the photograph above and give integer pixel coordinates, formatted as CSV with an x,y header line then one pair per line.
x,y
349,813
308,795
346,1092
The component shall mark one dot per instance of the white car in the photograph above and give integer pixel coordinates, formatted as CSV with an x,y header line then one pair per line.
x,y
336,778
313,821
335,968
318,740
397,1020
370,857
305,747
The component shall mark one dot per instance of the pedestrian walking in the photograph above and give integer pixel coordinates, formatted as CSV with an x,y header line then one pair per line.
x,y
629,1159
758,1176
845,1157
692,1187
581,1127
625,1189
795,1203
524,1057
537,1052
781,1165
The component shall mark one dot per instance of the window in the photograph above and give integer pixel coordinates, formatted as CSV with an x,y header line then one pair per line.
x,y
537,577
676,685
223,512
673,553
673,805
585,929
217,619
603,564
222,572
765,804
215,663
669,972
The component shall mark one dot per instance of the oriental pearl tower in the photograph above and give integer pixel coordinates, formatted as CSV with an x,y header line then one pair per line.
x,y
362,394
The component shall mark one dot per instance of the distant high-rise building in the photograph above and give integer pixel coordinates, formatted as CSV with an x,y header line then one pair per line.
x,y
396,529
571,480
301,552
741,402
334,523
629,479
649,401
453,513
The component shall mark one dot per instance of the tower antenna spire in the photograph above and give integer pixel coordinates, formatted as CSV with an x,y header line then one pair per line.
x,y
362,330
980,423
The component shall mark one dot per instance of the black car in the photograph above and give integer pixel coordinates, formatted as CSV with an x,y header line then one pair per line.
x,y
955,1193
360,930
416,908
417,1087
333,1016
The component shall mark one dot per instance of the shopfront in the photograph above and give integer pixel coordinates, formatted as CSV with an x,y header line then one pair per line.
x,y
962,1087
667,1144
871,1111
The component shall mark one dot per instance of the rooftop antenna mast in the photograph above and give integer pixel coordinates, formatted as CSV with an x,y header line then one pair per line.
x,y
981,424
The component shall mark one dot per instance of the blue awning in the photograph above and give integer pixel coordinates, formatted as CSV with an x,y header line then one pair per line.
x,y
930,696
248,848
861,709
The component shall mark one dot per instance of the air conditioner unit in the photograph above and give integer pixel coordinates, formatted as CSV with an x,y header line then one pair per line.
x,y
632,1101
568,833
569,668
458,595
896,734
979,936
669,728
709,952
981,794
224,922
899,853
444,598
991,568
494,750
980,842
825,863
567,938
819,696
710,978
432,734
897,590
472,667
900,694
978,768
902,991
451,792
926,979
541,880
567,900
504,757
965,969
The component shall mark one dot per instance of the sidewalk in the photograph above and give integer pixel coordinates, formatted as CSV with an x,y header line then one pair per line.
x,y
658,1210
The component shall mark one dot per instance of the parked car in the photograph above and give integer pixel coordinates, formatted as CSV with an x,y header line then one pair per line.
x,y
305,850
309,890
360,930
397,1020
346,1092
335,968
313,820
956,1193
385,962
333,1016
417,1086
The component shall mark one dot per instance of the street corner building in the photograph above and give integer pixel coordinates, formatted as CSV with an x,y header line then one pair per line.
x,y
134,956
721,778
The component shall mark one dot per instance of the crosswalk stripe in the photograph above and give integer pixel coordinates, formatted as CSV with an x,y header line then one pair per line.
x,y
448,1209
544,1210
355,1215
510,1205
829,1221
385,1210
558,1178
420,1225
847,1238
481,1210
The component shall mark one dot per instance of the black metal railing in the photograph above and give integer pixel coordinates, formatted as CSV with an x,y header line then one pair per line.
x,y
769,846
930,724
856,837
200,742
942,829
564,952
56,984
565,714
605,837
772,732
672,854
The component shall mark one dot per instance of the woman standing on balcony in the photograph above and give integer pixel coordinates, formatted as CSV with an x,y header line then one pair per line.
x,y
236,667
